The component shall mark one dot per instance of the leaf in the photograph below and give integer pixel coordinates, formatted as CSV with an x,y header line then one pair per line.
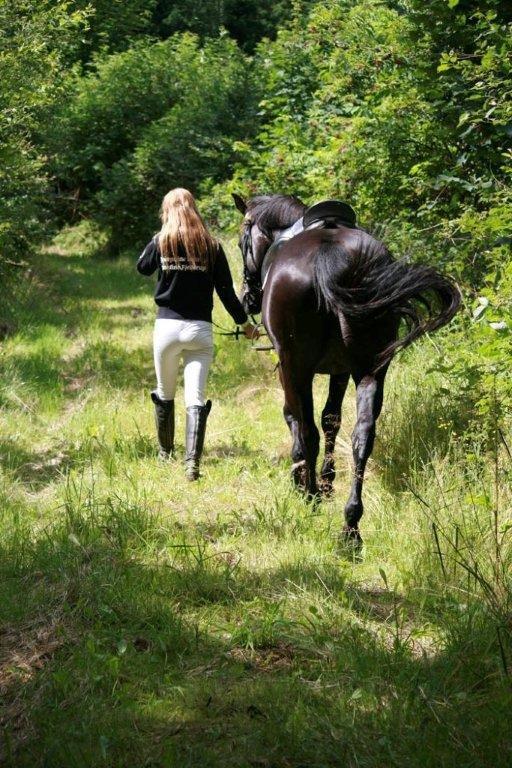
x,y
383,576
104,743
499,326
122,646
488,59
483,304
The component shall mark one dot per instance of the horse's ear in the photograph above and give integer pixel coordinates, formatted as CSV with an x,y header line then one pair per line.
x,y
239,202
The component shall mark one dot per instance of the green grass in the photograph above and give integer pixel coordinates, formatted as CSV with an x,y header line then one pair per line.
x,y
150,622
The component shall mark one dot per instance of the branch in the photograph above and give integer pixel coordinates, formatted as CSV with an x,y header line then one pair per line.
x,y
11,263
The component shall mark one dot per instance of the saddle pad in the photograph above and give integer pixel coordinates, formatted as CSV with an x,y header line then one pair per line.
x,y
330,211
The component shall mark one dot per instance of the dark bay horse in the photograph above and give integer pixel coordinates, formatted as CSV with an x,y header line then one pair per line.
x,y
332,300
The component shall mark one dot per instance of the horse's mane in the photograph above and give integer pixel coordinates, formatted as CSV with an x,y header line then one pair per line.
x,y
271,212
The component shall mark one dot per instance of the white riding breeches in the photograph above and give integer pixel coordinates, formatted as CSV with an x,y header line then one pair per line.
x,y
190,340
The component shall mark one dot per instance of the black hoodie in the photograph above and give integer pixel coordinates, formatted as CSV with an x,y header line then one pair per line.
x,y
185,292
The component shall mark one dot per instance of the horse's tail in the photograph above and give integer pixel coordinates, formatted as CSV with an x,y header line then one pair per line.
x,y
371,284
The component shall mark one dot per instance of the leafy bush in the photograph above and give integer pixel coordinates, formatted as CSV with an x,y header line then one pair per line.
x,y
111,107
35,38
149,119
361,103
114,27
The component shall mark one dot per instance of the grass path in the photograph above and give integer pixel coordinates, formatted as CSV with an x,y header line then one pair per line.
x,y
149,622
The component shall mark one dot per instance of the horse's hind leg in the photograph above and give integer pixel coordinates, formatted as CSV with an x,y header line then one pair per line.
x,y
331,421
369,396
298,392
299,462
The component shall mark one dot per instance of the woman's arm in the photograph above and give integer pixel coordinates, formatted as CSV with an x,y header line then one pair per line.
x,y
148,260
223,283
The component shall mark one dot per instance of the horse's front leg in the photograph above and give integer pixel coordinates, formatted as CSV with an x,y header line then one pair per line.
x,y
299,462
298,409
331,422
369,396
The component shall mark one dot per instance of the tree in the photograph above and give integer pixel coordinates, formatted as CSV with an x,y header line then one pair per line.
x,y
35,40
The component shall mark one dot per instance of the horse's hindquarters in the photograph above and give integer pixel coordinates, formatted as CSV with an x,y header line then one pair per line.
x,y
335,358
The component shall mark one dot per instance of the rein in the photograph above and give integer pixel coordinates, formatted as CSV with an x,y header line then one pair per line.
x,y
238,332
224,332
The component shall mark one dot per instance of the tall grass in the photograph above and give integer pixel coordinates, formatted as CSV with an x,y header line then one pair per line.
x,y
150,622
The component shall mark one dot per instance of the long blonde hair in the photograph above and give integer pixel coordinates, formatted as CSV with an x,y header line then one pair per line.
x,y
184,241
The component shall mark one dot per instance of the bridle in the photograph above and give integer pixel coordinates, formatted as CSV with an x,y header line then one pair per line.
x,y
251,279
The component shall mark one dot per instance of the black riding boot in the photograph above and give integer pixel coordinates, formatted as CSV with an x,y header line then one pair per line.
x,y
194,437
164,421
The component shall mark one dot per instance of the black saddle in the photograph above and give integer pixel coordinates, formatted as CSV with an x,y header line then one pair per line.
x,y
329,213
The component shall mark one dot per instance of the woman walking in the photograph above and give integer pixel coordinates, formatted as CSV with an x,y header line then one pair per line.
x,y
190,264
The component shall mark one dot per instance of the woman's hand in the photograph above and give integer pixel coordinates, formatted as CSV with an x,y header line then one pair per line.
x,y
250,331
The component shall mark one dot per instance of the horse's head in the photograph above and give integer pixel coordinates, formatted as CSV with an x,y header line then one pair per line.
x,y
253,243
265,216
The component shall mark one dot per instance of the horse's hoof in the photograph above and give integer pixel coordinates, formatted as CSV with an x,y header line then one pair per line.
x,y
313,498
349,533
325,487
299,474
351,543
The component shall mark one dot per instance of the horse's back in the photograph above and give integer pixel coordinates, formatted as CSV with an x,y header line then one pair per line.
x,y
304,246
291,263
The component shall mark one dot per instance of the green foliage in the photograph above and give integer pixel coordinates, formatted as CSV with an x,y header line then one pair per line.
x,y
477,358
192,144
110,108
360,103
342,114
149,119
35,39
115,25
247,21
405,111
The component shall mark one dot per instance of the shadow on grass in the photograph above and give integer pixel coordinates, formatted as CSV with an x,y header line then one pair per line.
x,y
70,297
217,453
37,469
115,660
78,278
67,289
33,468
101,362
108,363
65,299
